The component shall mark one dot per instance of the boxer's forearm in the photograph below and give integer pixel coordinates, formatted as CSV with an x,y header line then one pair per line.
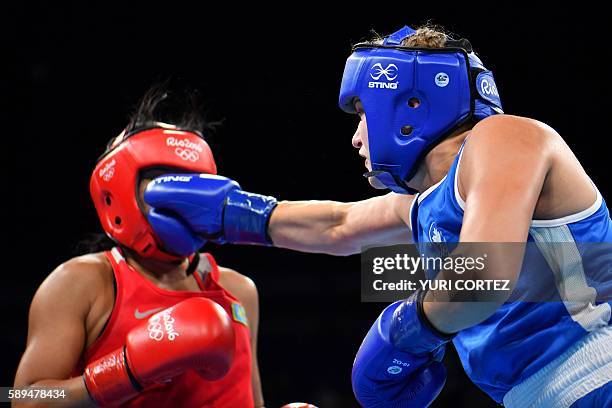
x,y
75,392
502,263
338,228
308,226
452,317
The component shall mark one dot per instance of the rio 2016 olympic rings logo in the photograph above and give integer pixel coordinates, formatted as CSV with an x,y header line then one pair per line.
x,y
155,330
186,154
158,329
108,171
109,174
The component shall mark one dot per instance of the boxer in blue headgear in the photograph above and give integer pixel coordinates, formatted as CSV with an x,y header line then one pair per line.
x,y
427,109
414,97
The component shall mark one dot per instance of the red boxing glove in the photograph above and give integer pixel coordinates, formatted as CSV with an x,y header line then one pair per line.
x,y
194,334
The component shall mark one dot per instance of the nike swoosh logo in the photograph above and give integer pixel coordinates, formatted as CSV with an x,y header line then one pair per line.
x,y
142,315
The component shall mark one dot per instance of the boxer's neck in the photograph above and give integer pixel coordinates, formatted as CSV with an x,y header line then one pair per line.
x,y
438,161
160,271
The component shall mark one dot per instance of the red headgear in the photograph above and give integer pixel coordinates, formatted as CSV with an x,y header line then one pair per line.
x,y
114,182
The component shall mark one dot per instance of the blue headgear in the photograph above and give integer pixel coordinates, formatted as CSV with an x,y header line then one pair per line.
x,y
414,97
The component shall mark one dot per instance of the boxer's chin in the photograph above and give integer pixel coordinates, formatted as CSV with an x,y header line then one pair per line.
x,y
376,183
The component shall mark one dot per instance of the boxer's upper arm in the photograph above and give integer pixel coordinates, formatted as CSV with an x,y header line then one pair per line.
x,y
502,173
245,290
56,327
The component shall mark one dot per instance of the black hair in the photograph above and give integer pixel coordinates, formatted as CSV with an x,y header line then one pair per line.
x,y
93,242
181,109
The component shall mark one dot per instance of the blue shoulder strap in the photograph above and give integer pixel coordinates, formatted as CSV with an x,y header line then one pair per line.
x,y
400,35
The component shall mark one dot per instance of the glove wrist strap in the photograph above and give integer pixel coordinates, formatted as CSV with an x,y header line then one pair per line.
x,y
108,379
246,217
411,331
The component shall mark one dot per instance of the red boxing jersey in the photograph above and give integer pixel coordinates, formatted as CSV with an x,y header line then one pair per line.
x,y
138,299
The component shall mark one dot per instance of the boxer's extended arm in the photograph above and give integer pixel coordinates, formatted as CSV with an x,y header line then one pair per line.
x,y
57,331
502,172
216,208
341,228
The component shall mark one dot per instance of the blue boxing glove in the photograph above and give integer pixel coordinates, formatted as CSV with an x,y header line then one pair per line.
x,y
399,361
177,238
214,207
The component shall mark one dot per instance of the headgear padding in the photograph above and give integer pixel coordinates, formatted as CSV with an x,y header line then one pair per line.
x,y
115,179
413,97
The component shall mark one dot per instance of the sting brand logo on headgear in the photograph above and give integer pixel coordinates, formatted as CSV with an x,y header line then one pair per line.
x,y
377,71
390,73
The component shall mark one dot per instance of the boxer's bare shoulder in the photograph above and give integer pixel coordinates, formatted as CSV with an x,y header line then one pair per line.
x,y
508,130
82,275
84,285
528,153
243,288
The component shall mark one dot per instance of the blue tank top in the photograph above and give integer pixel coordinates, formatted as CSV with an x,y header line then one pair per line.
x,y
520,338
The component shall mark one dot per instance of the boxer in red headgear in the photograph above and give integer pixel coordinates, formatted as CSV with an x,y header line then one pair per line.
x,y
135,156
139,325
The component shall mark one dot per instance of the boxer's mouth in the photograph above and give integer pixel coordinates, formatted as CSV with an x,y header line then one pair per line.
x,y
366,162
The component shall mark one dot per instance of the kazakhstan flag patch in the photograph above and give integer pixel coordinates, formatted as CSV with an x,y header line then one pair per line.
x,y
239,314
